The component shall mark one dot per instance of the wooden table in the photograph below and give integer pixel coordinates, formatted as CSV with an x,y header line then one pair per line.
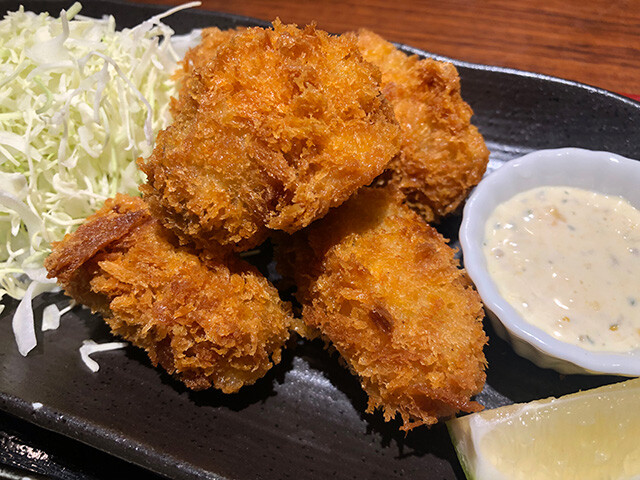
x,y
591,41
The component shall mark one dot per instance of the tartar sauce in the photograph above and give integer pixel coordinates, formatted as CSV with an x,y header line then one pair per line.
x,y
568,260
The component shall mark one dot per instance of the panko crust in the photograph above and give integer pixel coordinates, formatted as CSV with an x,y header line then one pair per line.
x,y
273,128
210,320
443,154
198,56
385,290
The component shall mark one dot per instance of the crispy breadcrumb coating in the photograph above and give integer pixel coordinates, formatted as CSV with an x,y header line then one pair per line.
x,y
273,128
197,57
211,39
443,154
385,290
208,320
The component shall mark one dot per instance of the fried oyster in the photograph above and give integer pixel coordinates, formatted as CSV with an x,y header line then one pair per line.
x,y
273,127
443,154
211,320
383,288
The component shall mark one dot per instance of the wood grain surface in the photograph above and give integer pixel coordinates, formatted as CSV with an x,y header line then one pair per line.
x,y
596,42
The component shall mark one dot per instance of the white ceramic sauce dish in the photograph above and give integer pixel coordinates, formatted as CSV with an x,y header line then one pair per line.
x,y
602,172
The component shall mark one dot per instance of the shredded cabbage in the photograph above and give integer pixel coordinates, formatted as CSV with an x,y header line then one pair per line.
x,y
89,346
79,103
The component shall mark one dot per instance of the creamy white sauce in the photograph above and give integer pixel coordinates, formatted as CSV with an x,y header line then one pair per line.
x,y
568,260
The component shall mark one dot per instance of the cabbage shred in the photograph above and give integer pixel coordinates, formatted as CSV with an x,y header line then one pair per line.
x,y
79,103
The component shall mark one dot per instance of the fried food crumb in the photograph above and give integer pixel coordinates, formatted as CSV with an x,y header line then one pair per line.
x,y
443,154
384,289
209,320
273,127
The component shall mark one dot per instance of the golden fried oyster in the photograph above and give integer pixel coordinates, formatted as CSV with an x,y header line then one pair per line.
x,y
273,128
443,154
384,289
208,320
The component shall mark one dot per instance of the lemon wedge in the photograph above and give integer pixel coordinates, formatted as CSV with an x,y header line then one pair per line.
x,y
593,434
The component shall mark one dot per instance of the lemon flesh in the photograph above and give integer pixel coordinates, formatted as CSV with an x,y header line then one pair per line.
x,y
594,434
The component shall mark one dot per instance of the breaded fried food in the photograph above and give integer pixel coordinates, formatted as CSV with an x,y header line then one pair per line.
x,y
273,128
195,58
384,289
443,154
210,321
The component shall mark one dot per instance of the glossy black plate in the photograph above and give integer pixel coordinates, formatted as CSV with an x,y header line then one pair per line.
x,y
306,418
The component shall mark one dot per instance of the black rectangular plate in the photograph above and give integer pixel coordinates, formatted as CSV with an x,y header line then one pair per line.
x,y
306,418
